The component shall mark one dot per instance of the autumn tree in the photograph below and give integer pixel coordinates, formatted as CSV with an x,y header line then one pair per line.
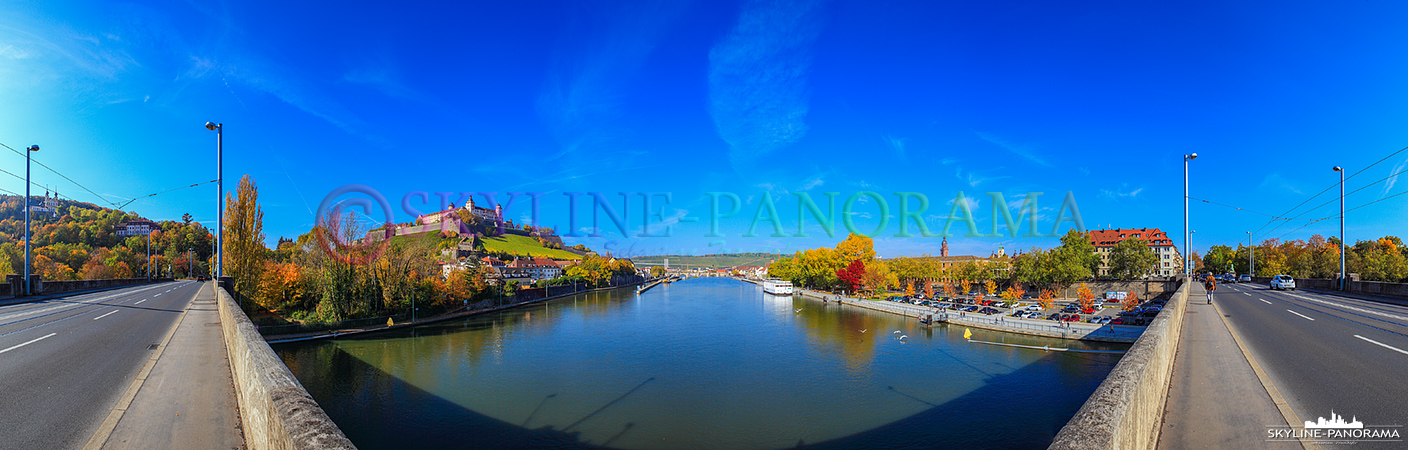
x,y
244,238
1130,302
1085,297
852,275
909,288
966,285
1014,292
991,287
929,289
1046,298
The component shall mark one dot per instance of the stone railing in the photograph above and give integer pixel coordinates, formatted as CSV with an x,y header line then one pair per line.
x,y
1127,409
275,411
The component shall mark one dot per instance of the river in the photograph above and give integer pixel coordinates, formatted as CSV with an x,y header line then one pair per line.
x,y
710,363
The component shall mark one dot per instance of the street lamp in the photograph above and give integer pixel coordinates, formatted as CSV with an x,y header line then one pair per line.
x,y
1187,235
1190,252
30,149
219,129
1251,256
1342,242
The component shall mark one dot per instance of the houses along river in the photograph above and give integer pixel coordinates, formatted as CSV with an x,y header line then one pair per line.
x,y
703,363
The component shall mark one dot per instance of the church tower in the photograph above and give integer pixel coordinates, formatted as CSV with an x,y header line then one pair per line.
x,y
943,251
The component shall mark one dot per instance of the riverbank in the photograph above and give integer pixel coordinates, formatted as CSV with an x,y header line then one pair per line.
x,y
1046,328
295,337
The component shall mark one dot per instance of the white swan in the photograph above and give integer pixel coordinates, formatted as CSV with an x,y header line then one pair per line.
x,y
903,336
896,332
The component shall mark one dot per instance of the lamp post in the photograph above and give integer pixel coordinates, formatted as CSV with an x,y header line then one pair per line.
x,y
1187,235
219,129
1251,256
32,148
1343,275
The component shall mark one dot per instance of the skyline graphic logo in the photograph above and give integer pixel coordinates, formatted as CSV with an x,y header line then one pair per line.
x,y
1335,431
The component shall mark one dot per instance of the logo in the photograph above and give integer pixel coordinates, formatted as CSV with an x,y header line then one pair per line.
x,y
1336,431
337,230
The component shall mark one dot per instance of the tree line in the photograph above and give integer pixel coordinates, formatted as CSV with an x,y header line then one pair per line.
x,y
1382,259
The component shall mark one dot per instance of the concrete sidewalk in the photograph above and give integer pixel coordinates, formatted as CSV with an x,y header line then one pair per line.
x,y
1215,398
187,399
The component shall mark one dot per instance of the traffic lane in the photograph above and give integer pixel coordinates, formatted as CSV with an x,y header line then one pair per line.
x,y
1397,312
62,308
59,390
1319,365
1386,320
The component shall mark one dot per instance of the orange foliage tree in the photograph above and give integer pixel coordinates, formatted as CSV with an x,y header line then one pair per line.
x,y
1130,302
1086,297
1045,298
1014,292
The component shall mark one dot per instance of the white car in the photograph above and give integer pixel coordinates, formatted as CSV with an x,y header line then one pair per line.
x,y
1283,282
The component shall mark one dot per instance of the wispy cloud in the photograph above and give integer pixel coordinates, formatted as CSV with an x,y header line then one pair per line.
x,y
1275,181
1024,151
1123,192
1393,177
582,99
896,144
758,77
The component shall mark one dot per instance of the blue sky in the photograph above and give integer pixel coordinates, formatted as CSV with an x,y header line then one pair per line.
x,y
1099,99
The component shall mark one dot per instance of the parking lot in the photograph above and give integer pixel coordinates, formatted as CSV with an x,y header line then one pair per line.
x,y
1103,311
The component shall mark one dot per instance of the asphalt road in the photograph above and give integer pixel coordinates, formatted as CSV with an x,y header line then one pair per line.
x,y
65,362
1325,352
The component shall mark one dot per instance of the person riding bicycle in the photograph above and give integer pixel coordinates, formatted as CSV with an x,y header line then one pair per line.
x,y
1210,285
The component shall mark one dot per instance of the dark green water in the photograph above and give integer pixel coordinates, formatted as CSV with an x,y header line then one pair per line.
x,y
699,364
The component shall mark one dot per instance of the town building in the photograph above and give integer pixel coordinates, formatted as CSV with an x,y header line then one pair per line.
x,y
139,227
1170,261
538,268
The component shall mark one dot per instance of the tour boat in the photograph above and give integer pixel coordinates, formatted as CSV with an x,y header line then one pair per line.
x,y
777,287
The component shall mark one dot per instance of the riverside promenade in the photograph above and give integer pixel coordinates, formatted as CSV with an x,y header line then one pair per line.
x,y
1037,327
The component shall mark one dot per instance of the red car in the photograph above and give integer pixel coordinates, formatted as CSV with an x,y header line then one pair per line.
x,y
1117,321
1074,318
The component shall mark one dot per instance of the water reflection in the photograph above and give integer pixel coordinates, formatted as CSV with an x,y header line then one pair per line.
x,y
709,363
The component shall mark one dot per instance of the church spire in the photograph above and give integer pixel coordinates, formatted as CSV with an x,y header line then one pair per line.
x,y
943,251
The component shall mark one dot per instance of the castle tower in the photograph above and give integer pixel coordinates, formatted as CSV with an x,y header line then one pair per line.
x,y
943,251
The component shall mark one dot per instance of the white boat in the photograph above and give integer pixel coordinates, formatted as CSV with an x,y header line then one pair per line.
x,y
777,287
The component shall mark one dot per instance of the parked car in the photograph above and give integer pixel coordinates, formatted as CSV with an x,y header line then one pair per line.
x,y
1117,321
1283,282
1054,316
989,311
1033,308
1244,279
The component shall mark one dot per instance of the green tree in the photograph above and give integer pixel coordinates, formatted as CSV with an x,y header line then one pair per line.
x,y
1220,258
1132,258
1077,247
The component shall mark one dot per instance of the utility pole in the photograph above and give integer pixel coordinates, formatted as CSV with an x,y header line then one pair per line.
x,y
1251,256
32,148
219,129
1343,244
1187,235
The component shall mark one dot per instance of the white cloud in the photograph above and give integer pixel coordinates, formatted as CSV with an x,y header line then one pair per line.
x,y
1275,181
1123,192
1393,177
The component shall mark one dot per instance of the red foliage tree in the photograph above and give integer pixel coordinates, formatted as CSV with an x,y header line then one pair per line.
x,y
852,274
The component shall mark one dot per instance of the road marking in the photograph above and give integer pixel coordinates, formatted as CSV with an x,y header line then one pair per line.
x,y
159,293
52,334
1264,301
1249,295
1299,314
1340,305
140,301
1381,344
105,315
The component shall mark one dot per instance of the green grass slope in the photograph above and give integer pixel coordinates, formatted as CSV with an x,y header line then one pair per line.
x,y
524,246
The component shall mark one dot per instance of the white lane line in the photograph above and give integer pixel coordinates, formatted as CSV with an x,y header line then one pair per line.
x,y
1381,344
1341,305
52,334
143,300
1266,302
159,293
105,315
1299,314
1249,295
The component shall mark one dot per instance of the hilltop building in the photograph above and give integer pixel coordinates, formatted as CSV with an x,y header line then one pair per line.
x,y
1170,260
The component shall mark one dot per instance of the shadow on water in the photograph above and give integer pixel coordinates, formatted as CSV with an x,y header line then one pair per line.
x,y
379,411
995,416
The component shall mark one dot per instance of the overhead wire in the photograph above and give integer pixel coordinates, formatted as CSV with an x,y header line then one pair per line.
x,y
75,183
1328,189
